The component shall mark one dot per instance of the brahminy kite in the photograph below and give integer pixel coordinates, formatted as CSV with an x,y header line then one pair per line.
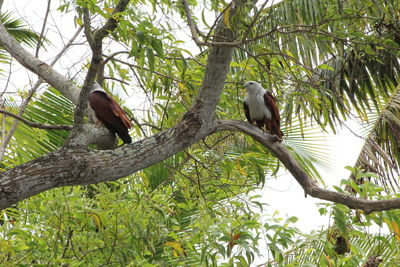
x,y
109,113
260,108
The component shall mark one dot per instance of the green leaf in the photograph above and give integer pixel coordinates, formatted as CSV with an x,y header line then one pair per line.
x,y
150,58
325,67
158,47
140,36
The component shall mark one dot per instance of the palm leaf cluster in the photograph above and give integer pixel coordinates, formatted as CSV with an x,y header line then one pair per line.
x,y
29,143
317,249
330,62
18,29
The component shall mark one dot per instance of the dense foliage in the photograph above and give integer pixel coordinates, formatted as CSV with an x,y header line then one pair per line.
x,y
327,62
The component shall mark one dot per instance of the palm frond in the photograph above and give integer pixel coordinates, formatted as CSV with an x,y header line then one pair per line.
x,y
313,249
309,146
325,58
28,143
330,60
17,28
381,154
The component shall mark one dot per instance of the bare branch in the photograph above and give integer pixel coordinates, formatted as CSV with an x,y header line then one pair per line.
x,y
36,124
116,79
41,37
111,57
191,24
64,85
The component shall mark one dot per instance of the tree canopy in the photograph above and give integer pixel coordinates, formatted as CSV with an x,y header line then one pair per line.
x,y
183,192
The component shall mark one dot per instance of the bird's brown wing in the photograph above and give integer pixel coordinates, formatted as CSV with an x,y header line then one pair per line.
x,y
270,102
110,114
246,111
119,112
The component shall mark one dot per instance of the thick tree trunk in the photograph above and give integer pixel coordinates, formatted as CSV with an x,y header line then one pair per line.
x,y
81,165
78,165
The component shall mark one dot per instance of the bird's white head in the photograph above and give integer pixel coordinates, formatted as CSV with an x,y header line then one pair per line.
x,y
96,87
253,87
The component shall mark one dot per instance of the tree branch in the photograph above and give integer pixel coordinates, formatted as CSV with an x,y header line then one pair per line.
x,y
196,39
31,92
309,186
98,166
95,64
55,79
89,166
41,37
81,165
87,27
36,124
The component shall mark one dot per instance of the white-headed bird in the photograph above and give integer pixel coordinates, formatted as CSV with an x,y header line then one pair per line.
x,y
260,108
109,113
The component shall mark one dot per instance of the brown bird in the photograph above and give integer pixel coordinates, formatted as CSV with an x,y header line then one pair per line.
x,y
260,108
109,113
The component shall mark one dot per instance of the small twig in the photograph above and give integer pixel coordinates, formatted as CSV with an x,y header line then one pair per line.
x,y
165,113
41,37
111,57
216,142
23,106
96,62
198,42
254,20
116,79
36,124
215,23
150,125
193,31
69,237
8,79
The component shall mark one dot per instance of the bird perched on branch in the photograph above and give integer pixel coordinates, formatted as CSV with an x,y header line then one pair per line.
x,y
260,108
109,113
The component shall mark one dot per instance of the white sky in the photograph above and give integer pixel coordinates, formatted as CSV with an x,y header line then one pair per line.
x,y
283,194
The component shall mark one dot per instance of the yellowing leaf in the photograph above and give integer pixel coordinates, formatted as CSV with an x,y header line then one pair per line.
x,y
394,227
396,230
181,86
240,169
178,248
96,220
79,21
109,10
227,17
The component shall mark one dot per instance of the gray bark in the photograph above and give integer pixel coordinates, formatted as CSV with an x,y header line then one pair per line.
x,y
42,69
78,165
